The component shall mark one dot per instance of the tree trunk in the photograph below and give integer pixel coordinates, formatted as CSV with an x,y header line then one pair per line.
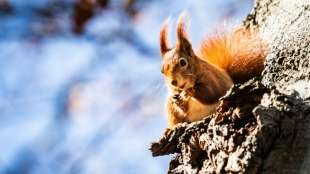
x,y
261,126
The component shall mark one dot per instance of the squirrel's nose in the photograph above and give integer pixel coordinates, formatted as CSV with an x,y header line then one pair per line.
x,y
174,83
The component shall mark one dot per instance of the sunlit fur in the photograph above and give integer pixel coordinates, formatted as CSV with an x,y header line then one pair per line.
x,y
240,53
189,110
163,40
221,60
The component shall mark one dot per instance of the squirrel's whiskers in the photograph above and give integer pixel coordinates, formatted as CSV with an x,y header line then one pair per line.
x,y
197,81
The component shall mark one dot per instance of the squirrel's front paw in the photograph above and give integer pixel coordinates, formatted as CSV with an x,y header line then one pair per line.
x,y
180,101
176,98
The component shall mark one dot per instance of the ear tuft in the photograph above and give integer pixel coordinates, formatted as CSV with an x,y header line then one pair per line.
x,y
181,26
163,37
183,44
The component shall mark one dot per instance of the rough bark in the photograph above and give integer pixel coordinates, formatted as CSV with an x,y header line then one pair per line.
x,y
261,126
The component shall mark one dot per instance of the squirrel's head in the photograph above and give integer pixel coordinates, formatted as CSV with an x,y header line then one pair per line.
x,y
178,63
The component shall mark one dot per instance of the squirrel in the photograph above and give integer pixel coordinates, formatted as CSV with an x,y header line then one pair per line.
x,y
198,79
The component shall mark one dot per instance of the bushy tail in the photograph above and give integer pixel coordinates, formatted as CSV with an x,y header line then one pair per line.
x,y
240,53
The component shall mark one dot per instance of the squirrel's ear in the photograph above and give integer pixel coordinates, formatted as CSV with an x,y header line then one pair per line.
x,y
183,44
163,38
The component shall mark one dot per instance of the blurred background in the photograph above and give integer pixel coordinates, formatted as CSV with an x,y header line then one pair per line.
x,y
80,86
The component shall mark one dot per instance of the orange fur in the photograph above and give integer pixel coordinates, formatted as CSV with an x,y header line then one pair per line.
x,y
240,53
197,81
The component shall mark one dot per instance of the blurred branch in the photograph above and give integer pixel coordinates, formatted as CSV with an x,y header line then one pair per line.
x,y
130,7
83,11
103,3
5,7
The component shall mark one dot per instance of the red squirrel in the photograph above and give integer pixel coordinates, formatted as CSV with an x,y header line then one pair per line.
x,y
197,80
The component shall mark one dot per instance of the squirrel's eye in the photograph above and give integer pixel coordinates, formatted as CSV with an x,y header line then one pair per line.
x,y
183,62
